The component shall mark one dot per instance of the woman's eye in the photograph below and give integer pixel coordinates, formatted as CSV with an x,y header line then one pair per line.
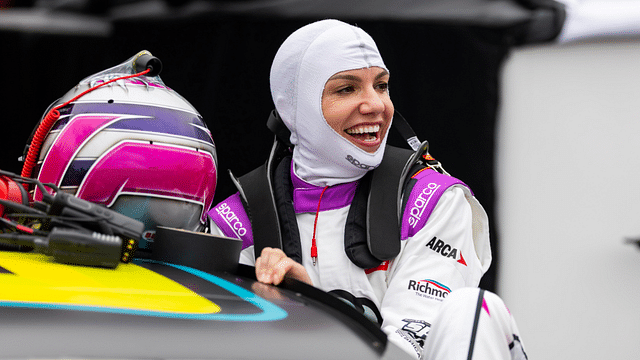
x,y
345,90
383,86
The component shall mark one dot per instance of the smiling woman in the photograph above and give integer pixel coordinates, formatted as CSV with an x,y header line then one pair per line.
x,y
356,104
320,190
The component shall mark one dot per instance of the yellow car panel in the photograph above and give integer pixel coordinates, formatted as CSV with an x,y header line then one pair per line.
x,y
34,278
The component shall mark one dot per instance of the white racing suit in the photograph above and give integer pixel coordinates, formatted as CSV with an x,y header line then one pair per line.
x,y
426,299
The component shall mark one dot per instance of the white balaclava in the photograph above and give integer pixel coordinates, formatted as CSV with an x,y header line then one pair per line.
x,y
300,70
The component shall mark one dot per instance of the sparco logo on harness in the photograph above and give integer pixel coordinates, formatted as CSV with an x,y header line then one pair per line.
x,y
446,250
358,163
429,288
421,203
231,219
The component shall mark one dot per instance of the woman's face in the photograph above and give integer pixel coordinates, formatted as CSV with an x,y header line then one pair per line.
x,y
356,104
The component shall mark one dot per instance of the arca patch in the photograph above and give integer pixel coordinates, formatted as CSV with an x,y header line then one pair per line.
x,y
446,250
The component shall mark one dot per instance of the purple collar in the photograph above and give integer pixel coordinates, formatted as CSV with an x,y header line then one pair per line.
x,y
306,196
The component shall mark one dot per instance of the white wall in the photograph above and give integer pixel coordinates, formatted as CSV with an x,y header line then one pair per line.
x,y
568,195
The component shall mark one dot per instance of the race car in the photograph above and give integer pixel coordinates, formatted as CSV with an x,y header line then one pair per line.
x,y
189,300
95,265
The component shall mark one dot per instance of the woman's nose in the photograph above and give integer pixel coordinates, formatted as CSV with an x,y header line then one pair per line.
x,y
371,102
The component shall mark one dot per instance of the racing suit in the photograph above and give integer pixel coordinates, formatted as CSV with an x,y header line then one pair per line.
x,y
444,247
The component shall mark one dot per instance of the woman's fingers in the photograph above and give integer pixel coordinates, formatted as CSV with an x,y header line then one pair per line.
x,y
274,264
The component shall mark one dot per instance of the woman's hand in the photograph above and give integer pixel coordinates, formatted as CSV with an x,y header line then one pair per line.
x,y
274,264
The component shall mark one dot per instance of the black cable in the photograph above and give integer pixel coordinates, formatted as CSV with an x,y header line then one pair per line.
x,y
72,230
70,246
18,206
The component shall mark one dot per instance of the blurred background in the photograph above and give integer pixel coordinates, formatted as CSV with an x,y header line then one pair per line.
x,y
533,103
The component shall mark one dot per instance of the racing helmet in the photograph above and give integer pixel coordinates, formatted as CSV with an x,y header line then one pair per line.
x,y
135,146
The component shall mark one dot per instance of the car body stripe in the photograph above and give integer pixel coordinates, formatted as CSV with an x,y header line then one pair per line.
x,y
269,311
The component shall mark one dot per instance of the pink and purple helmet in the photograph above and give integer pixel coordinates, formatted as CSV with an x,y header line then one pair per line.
x,y
135,146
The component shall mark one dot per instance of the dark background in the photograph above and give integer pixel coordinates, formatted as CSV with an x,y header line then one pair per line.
x,y
445,75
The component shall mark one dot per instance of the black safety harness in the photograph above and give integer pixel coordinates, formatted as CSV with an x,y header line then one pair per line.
x,y
372,232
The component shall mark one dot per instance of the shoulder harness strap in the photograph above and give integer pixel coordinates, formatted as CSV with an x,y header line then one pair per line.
x,y
284,204
372,232
256,192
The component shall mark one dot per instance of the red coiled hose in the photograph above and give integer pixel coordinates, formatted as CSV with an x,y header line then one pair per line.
x,y
52,116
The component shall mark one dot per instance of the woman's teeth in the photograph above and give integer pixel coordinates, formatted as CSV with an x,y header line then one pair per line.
x,y
367,129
